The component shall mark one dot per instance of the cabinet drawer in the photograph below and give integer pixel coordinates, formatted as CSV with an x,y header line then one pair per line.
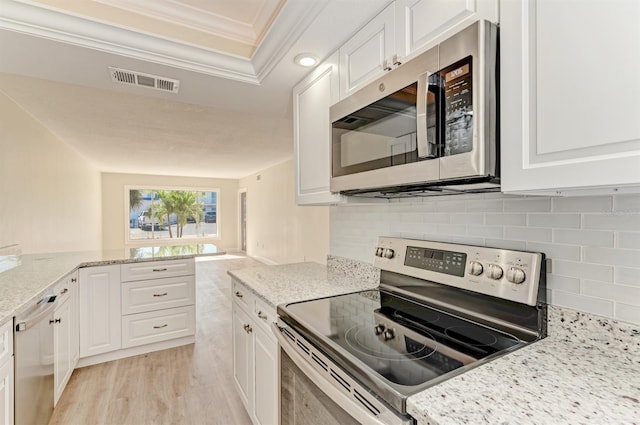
x,y
6,342
157,269
155,326
150,295
264,315
242,296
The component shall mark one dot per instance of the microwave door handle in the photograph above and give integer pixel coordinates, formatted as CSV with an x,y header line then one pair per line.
x,y
426,148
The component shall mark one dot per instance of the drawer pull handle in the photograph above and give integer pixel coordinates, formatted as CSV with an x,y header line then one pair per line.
x,y
262,316
160,270
160,295
161,326
247,328
64,291
74,280
239,294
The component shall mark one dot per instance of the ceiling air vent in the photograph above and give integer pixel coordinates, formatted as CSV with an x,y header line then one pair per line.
x,y
124,76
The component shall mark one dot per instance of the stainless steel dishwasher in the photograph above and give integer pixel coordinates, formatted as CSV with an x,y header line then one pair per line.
x,y
34,363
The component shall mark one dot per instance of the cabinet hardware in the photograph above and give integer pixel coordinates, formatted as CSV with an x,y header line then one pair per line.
x,y
51,322
64,291
74,280
262,316
396,60
247,328
161,326
239,294
386,66
160,270
160,295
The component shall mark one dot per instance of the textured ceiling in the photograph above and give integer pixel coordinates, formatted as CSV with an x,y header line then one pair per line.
x,y
214,127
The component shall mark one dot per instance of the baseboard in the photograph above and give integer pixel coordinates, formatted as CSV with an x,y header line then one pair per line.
x,y
135,351
263,260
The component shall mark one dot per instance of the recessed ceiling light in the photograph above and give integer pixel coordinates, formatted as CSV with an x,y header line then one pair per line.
x,y
306,59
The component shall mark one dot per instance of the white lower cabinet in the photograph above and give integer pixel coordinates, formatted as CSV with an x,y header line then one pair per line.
x,y
255,357
136,308
100,314
66,347
6,374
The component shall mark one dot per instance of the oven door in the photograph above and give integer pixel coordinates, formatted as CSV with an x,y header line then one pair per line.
x,y
313,390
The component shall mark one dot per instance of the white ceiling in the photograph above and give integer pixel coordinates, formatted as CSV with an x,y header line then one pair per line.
x,y
232,115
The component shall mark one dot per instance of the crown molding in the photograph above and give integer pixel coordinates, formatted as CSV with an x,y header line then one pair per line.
x,y
188,16
46,22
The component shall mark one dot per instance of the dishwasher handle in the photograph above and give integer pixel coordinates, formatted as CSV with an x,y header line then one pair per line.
x,y
43,309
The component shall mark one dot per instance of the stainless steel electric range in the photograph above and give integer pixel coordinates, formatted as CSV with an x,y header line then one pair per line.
x,y
440,310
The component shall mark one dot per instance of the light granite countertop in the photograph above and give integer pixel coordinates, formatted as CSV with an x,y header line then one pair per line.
x,y
34,274
298,282
587,371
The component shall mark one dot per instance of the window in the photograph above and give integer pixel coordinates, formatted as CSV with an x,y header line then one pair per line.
x,y
168,213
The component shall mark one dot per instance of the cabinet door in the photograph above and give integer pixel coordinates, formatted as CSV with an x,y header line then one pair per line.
x,y
421,23
312,98
62,357
6,392
100,318
569,96
243,356
265,402
362,58
74,318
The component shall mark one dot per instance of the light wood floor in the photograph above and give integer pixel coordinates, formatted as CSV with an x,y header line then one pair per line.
x,y
185,385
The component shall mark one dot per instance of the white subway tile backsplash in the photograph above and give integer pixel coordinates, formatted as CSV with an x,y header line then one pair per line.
x,y
628,313
537,204
627,275
494,232
563,283
486,205
627,203
613,221
556,251
583,237
617,257
593,242
528,234
581,302
629,240
506,219
571,221
599,204
622,293
582,270
467,218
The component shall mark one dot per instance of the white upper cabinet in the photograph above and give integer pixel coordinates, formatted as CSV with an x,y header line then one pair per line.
x,y
368,53
420,23
570,96
401,31
312,98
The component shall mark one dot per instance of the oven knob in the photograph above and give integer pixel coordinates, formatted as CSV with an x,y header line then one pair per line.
x,y
494,271
379,328
475,268
389,334
516,275
389,253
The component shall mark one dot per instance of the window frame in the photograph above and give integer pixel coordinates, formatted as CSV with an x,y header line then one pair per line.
x,y
185,240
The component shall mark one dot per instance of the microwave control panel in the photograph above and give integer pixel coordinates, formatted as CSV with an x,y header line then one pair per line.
x,y
458,107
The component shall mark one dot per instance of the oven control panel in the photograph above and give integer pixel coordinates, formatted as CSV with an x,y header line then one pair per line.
x,y
508,274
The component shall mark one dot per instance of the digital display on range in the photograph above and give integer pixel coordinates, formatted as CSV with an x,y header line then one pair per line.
x,y
447,262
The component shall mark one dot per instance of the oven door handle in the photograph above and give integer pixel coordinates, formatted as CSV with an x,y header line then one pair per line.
x,y
349,406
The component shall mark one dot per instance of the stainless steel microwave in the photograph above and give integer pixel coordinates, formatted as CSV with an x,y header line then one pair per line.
x,y
429,126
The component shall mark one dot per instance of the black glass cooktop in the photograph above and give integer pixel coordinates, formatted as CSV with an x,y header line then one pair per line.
x,y
405,343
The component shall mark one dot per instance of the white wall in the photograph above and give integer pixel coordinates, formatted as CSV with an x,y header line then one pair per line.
x,y
278,230
115,223
593,242
49,194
